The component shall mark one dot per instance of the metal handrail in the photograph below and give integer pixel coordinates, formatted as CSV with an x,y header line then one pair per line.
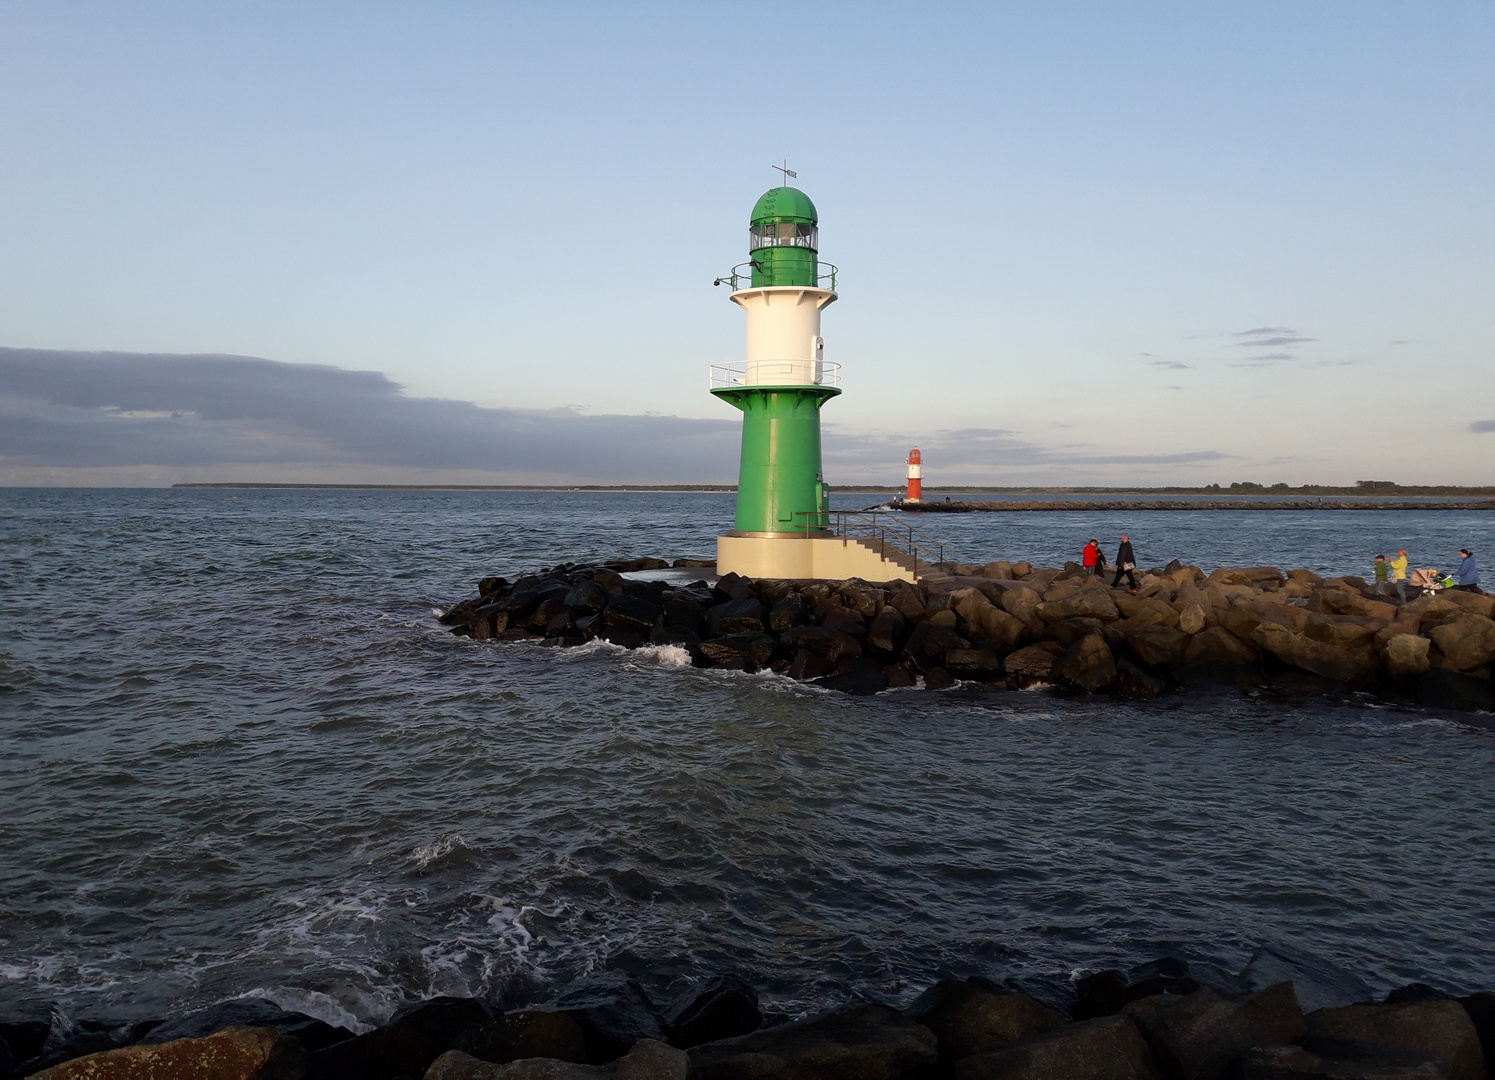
x,y
841,522
739,278
803,372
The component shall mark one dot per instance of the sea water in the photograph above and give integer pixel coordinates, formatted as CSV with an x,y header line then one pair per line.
x,y
239,755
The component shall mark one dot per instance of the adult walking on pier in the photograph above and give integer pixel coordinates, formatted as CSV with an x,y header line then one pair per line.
x,y
1126,563
1466,577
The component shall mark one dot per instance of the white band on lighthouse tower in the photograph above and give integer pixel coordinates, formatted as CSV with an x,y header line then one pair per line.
x,y
784,346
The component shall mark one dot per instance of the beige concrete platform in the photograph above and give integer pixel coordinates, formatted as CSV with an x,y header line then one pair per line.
x,y
834,558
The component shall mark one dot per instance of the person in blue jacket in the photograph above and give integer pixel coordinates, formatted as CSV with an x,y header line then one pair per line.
x,y
1466,577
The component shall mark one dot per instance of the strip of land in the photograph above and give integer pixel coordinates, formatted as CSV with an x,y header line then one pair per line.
x,y
1131,505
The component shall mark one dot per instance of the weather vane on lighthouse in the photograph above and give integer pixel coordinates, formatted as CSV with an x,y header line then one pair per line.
x,y
789,174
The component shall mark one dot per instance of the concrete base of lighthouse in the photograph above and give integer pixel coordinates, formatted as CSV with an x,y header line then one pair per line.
x,y
834,558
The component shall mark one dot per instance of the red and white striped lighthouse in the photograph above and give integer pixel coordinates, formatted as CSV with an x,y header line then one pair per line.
x,y
915,477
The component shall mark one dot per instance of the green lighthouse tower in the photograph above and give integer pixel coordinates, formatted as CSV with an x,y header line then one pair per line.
x,y
780,386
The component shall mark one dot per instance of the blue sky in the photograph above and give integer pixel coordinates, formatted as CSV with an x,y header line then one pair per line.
x,y
1168,242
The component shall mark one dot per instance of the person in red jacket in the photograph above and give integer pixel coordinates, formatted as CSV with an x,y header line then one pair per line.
x,y
1087,557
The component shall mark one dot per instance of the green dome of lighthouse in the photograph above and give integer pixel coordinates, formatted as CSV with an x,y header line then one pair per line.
x,y
784,204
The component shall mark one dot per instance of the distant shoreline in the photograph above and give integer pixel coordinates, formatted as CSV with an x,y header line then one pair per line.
x,y
1308,491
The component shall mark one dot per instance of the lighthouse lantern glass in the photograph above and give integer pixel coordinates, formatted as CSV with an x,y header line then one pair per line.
x,y
784,234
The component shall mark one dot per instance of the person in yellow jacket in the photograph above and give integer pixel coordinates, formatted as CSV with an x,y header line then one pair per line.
x,y
1399,575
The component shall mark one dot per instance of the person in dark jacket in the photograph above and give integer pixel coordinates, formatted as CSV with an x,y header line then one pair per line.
x,y
1466,577
1126,563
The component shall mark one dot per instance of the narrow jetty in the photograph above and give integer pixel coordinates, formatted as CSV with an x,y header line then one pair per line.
x,y
968,507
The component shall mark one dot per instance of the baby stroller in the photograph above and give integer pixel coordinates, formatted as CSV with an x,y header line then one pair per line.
x,y
1429,581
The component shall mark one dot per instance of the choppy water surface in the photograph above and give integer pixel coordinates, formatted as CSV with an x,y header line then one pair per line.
x,y
239,754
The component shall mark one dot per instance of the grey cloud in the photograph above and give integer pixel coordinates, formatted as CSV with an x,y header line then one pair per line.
x,y
1273,342
1482,425
1264,331
1171,365
80,409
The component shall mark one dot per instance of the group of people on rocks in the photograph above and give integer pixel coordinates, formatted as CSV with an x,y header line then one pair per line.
x,y
1094,560
1389,573
1392,574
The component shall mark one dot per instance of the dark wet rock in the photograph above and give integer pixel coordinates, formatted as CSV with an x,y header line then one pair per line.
x,y
887,630
857,679
544,614
632,612
1109,1048
845,621
1439,689
682,611
866,1042
613,1013
1359,1063
1215,643
1086,603
1203,1036
1440,1031
457,1065
633,566
1216,673
490,585
735,617
928,643
937,678
1103,993
1088,664
786,613
609,580
25,1038
727,583
808,665
625,637
899,675
405,1046
652,591
1134,683
310,1032
969,1016
1033,662
1069,631
1415,992
682,636
535,1033
973,663
830,643
740,651
461,614
1481,1010
586,596
720,1008
907,601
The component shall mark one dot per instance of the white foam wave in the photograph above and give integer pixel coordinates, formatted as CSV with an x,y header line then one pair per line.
x,y
314,1003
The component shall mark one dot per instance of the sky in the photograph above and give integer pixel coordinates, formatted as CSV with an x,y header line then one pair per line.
x,y
446,242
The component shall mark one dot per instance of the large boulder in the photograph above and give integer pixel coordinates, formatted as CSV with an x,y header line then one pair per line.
x,y
1110,1048
1295,1063
534,1033
1440,1031
973,663
1203,1036
735,617
1348,630
887,630
1132,682
1467,640
865,1042
406,1045
721,1008
235,1053
829,643
586,596
648,1059
740,651
970,1016
1034,661
1406,654
1088,664
1002,627
613,1013
1478,603
1022,604
1215,644
1158,645
928,643
1087,603
1337,662
631,612
1449,690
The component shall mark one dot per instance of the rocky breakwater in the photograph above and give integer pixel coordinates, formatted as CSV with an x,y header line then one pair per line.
x,y
1159,1024
1012,625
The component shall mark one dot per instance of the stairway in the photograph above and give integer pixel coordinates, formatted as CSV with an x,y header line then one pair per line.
x,y
891,553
